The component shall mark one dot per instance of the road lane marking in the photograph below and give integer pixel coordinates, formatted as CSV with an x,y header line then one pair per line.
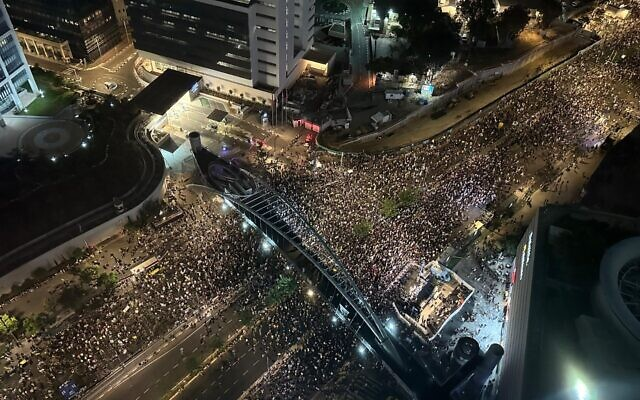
x,y
146,390
245,372
257,361
176,366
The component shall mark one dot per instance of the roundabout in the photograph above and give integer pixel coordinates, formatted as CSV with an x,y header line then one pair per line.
x,y
52,138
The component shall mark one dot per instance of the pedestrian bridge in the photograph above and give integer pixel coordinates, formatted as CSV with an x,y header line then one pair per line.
x,y
420,374
283,224
305,248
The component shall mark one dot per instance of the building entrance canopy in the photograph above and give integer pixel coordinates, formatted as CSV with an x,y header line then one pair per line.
x,y
161,94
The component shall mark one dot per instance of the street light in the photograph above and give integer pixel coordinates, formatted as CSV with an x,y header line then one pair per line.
x,y
391,326
310,292
266,246
581,390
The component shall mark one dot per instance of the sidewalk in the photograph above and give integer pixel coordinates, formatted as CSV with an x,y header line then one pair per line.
x,y
424,127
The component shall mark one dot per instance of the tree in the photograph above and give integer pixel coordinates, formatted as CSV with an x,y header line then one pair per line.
x,y
480,16
43,320
30,326
88,274
408,197
512,21
333,6
76,255
284,287
245,315
389,208
431,34
550,9
8,325
71,296
362,228
192,363
107,280
217,342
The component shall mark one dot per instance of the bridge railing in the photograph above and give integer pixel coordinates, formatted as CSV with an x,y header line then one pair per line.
x,y
288,222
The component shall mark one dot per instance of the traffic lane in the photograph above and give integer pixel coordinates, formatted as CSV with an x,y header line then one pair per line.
x,y
169,363
230,375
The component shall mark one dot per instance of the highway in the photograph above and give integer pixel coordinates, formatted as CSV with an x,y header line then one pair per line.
x,y
359,43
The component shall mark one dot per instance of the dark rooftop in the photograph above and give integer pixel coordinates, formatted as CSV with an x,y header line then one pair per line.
x,y
615,186
165,91
218,115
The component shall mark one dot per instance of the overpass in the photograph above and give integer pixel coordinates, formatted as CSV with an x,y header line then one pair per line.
x,y
305,248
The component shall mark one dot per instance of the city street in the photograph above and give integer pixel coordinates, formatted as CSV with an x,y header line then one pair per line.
x,y
116,66
359,44
267,268
157,369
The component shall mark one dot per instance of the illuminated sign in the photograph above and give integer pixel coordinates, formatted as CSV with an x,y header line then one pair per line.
x,y
526,254
427,90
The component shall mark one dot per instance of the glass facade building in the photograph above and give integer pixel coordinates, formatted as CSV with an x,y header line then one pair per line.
x,y
90,26
15,75
243,48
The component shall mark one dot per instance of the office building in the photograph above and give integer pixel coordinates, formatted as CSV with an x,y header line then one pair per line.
x,y
17,86
573,318
251,49
65,30
120,9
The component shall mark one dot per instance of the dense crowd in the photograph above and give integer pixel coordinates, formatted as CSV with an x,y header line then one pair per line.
x,y
529,138
537,131
301,329
206,258
203,261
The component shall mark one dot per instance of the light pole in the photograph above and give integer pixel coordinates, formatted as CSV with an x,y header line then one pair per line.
x,y
126,31
98,44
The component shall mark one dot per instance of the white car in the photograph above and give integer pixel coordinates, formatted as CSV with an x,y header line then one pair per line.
x,y
111,86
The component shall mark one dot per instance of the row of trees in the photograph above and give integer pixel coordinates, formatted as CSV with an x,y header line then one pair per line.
x,y
431,35
13,327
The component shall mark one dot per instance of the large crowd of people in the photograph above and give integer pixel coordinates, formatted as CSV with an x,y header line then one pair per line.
x,y
206,257
531,135
545,126
203,260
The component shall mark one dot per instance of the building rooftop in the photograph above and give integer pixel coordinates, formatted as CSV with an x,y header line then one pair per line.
x,y
317,56
161,94
217,115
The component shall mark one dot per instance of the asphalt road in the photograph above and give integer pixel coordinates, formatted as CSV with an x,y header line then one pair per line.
x,y
359,43
115,66
165,363
231,374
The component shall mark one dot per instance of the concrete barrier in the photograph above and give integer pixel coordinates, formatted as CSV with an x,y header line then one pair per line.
x,y
89,238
